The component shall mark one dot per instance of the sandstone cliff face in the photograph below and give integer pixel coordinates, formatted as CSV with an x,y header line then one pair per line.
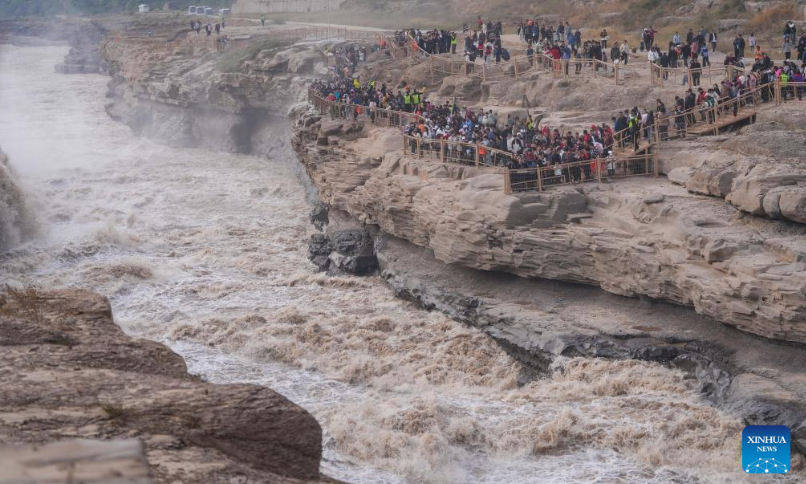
x,y
640,237
187,94
72,373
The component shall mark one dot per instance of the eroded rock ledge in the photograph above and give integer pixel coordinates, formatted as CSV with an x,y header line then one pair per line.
x,y
642,237
71,373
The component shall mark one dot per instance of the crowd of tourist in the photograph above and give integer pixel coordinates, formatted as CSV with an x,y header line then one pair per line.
x,y
522,140
483,44
467,134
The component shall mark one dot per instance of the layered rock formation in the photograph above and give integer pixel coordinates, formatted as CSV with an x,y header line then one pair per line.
x,y
642,237
220,101
760,171
72,373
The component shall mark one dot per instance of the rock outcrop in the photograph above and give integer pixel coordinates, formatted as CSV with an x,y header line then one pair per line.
x,y
72,373
760,171
186,94
633,238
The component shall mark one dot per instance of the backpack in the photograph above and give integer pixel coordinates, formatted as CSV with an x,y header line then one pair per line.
x,y
505,54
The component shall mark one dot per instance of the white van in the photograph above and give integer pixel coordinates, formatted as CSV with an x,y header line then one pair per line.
x,y
223,12
208,11
191,10
143,8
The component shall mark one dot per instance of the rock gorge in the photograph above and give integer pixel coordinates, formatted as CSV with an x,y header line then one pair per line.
x,y
724,239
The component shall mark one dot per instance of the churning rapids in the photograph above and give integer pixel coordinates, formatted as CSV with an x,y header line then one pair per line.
x,y
206,252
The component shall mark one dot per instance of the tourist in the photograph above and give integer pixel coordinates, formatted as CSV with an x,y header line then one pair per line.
x,y
738,47
712,37
786,48
706,59
625,52
790,32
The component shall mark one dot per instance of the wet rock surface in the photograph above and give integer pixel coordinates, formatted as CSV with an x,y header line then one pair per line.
x,y
344,248
539,321
72,373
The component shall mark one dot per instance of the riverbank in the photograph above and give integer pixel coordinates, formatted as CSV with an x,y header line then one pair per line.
x,y
105,385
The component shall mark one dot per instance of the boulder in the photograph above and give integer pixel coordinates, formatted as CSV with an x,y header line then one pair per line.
x,y
681,175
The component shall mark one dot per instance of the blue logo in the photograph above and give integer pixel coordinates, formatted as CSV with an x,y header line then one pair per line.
x,y
765,449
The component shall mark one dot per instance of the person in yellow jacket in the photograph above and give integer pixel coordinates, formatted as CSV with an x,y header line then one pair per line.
x,y
356,83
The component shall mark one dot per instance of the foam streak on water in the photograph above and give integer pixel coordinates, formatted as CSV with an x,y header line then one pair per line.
x,y
206,252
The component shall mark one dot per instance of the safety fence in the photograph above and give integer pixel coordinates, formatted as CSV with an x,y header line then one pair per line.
x,y
456,152
789,91
710,75
381,117
711,119
529,179
596,170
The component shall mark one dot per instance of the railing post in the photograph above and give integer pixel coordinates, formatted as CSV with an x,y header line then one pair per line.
x,y
516,69
539,179
507,182
420,147
477,154
616,68
484,71
405,145
655,163
777,89
598,170
442,150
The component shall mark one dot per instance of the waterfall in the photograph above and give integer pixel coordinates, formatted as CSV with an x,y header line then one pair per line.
x,y
16,221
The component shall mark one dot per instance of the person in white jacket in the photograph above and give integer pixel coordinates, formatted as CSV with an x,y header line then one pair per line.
x,y
625,52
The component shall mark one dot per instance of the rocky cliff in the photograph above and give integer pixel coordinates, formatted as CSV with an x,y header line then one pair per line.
x,y
633,238
186,93
72,373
